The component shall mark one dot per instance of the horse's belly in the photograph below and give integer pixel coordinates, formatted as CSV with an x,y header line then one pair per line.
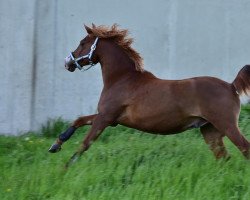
x,y
162,123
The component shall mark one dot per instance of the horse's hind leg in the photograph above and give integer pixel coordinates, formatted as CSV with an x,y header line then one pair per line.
x,y
63,137
231,130
215,141
234,134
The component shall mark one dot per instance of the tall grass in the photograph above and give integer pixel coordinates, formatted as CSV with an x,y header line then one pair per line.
x,y
122,164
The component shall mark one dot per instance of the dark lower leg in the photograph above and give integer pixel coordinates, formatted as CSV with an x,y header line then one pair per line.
x,y
215,141
81,121
63,137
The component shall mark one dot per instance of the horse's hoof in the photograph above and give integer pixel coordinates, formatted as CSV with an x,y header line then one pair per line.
x,y
55,148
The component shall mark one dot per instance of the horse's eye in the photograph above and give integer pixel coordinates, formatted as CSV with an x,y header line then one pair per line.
x,y
83,41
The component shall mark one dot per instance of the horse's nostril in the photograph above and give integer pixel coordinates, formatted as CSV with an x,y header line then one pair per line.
x,y
70,68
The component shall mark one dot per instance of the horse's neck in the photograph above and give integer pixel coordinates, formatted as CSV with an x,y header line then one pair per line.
x,y
116,65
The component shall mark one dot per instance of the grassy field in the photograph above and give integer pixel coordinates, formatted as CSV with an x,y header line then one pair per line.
x,y
122,164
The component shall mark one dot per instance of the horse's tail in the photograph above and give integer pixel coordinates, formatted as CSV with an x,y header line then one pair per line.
x,y
242,81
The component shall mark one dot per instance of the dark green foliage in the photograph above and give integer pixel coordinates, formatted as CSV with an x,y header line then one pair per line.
x,y
54,127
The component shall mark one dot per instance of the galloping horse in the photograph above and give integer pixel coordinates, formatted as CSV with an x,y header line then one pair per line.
x,y
136,98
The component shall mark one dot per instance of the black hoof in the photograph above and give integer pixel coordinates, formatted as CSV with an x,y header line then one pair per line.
x,y
55,148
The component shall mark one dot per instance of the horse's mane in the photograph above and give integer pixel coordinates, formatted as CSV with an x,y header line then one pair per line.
x,y
120,37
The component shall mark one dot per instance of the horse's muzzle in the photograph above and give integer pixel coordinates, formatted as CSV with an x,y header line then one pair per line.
x,y
70,68
69,64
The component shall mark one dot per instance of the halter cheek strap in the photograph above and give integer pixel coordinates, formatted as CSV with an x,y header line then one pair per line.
x,y
89,56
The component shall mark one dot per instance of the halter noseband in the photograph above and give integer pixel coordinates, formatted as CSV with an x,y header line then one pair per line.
x,y
89,56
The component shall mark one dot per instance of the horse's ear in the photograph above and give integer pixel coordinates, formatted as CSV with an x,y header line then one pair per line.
x,y
89,30
93,25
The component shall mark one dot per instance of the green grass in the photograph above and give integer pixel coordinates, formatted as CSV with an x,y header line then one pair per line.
x,y
122,164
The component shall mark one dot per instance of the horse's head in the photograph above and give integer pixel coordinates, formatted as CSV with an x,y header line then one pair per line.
x,y
84,53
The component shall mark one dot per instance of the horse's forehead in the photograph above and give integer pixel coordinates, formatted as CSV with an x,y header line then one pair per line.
x,y
85,39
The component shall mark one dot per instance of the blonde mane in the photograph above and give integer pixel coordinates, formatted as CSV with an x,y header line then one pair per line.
x,y
120,37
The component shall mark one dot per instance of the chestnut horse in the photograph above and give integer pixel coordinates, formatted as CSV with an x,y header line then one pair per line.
x,y
136,98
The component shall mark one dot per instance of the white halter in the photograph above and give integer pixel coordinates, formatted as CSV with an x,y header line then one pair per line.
x,y
71,58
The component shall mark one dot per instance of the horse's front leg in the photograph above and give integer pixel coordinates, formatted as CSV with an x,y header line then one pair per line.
x,y
98,126
63,137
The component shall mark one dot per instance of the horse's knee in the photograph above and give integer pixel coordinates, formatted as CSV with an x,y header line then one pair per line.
x,y
84,120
